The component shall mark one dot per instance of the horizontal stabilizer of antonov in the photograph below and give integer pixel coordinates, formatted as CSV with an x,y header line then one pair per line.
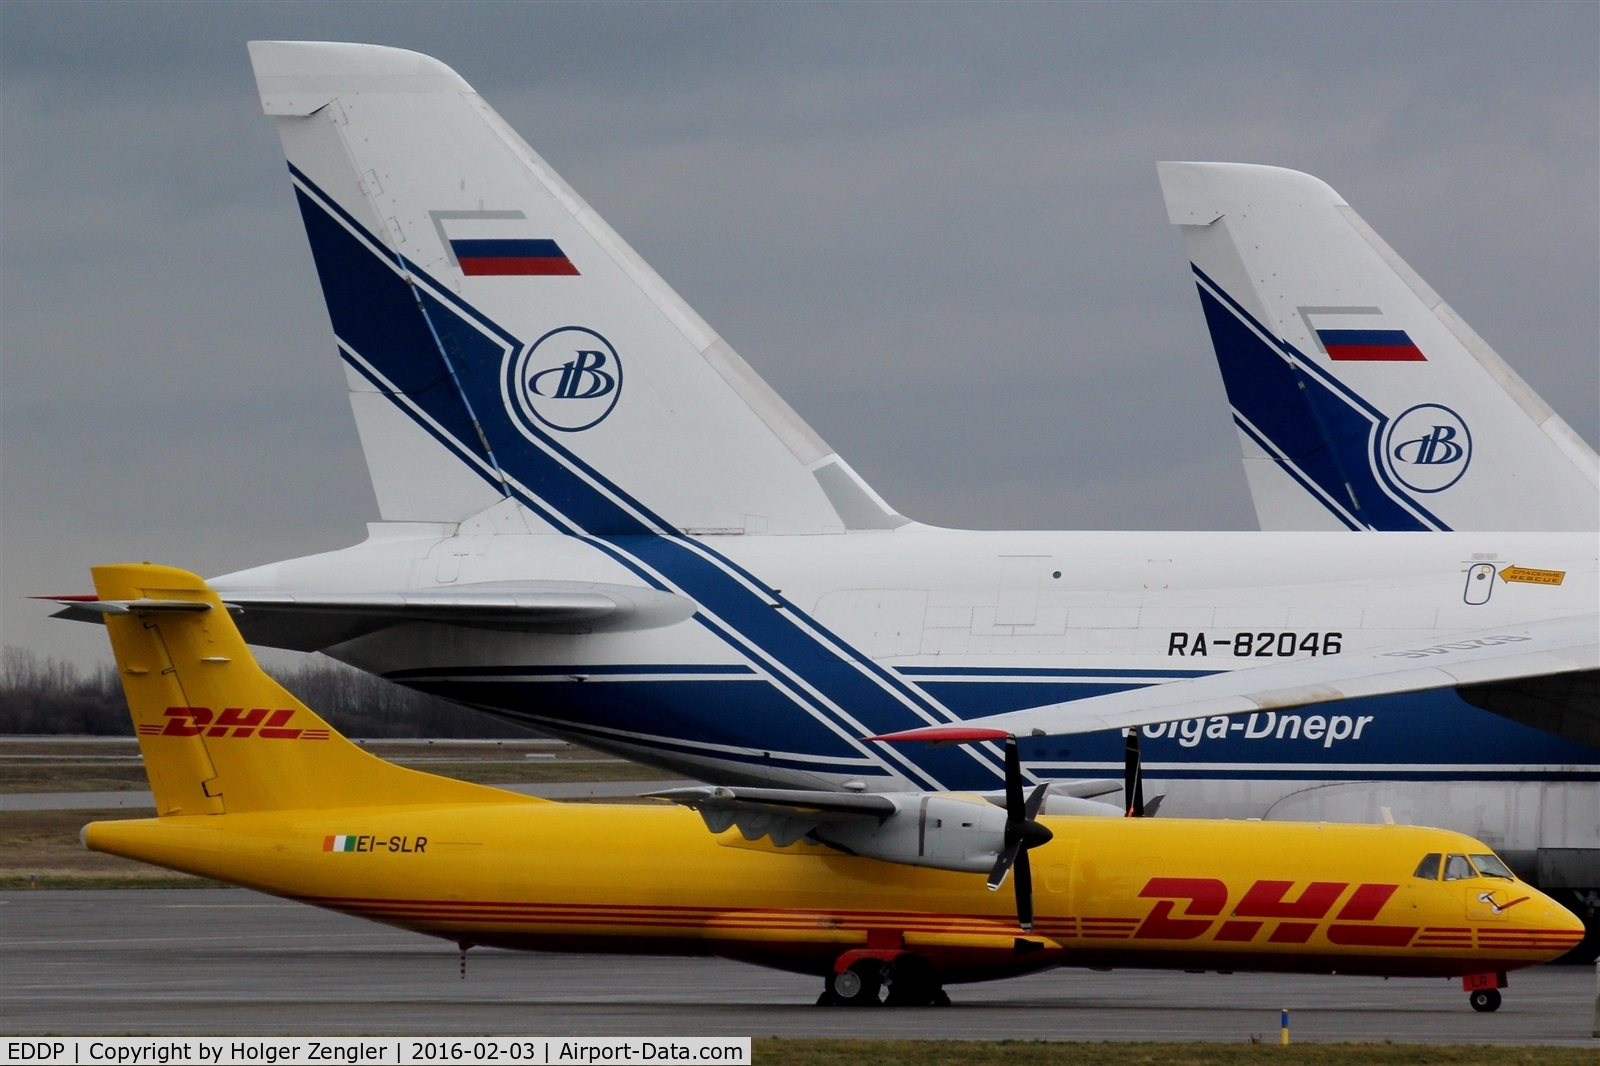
x,y
312,620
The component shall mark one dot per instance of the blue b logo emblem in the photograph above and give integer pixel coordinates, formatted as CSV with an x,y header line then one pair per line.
x,y
1428,448
568,380
581,378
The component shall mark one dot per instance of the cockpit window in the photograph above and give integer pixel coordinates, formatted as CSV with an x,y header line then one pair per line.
x,y
1428,867
1457,868
1491,866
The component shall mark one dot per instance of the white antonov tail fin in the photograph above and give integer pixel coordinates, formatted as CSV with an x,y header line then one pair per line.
x,y
1362,400
501,341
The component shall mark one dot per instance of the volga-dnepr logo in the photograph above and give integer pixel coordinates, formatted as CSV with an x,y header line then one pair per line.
x,y
1428,448
567,380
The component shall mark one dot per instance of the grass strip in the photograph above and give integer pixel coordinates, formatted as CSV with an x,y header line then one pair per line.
x,y
71,881
40,849
778,1051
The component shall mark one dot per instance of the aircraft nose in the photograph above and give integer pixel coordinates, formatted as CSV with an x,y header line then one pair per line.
x,y
1555,928
1561,919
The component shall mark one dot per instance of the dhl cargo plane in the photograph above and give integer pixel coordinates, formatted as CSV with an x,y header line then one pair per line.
x,y
881,894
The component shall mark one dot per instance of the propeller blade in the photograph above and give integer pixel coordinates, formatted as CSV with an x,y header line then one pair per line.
x,y
1036,800
1022,879
1132,776
1022,833
1014,808
997,875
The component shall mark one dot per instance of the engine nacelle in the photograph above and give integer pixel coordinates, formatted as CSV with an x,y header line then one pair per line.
x,y
946,832
961,831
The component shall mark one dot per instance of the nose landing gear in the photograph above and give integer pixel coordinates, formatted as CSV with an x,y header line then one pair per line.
x,y
1485,1000
1483,990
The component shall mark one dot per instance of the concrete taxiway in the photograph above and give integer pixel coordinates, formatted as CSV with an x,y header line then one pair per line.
x,y
234,962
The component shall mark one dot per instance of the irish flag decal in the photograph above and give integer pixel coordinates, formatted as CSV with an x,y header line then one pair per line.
x,y
339,843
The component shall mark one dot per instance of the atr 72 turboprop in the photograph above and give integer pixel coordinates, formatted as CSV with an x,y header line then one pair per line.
x,y
599,521
880,895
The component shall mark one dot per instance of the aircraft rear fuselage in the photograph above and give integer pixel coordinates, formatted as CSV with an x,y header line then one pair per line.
x,y
798,646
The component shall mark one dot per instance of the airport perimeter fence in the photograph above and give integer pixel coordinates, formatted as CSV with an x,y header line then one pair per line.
x,y
43,695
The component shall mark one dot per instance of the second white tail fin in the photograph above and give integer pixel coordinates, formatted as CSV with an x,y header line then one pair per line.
x,y
1362,400
501,341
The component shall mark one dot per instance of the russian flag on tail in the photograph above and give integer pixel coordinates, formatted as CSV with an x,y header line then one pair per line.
x,y
1370,346
506,257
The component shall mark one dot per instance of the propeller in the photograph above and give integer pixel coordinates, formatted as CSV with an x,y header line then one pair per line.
x,y
1132,776
1022,833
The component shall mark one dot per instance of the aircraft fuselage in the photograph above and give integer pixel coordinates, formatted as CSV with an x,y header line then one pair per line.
x,y
799,646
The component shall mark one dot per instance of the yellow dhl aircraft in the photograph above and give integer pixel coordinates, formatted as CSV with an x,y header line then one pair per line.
x,y
881,895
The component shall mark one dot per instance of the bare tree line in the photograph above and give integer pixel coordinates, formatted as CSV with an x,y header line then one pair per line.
x,y
44,695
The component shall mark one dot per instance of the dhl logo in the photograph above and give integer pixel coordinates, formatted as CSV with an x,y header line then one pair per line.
x,y
1297,919
260,722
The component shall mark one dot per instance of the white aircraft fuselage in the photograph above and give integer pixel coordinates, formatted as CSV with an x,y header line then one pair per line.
x,y
869,632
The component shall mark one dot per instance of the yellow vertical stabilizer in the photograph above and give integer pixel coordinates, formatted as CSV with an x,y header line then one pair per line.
x,y
218,735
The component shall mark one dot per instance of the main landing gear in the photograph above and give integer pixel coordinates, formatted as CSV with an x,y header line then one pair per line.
x,y
907,981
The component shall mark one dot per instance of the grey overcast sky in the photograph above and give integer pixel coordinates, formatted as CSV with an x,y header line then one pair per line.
x,y
935,228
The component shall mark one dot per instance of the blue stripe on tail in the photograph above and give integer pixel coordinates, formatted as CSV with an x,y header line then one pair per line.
x,y
376,317
1315,432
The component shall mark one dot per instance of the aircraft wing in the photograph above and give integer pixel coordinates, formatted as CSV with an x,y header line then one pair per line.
x,y
784,814
1560,657
798,801
315,620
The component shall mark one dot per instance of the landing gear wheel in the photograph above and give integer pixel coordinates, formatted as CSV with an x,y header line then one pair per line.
x,y
859,986
1485,1000
911,982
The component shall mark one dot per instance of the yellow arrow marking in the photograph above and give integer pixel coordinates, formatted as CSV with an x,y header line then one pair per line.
x,y
1530,576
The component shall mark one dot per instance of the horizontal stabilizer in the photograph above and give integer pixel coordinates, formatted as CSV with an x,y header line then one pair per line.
x,y
315,620
89,609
